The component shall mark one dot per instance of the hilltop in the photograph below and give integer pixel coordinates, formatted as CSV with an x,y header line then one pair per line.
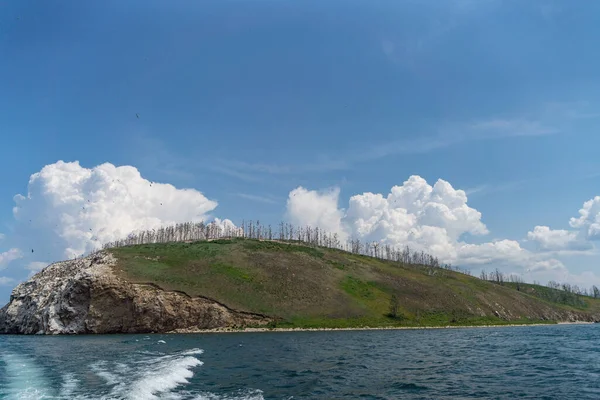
x,y
309,286
236,283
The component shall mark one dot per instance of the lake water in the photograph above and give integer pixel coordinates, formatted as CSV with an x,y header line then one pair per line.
x,y
542,362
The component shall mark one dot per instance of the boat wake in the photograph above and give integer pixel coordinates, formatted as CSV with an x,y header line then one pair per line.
x,y
151,376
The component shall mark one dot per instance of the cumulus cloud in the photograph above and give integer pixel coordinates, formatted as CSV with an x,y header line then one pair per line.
x,y
70,210
434,219
557,239
589,219
508,254
226,225
315,208
8,256
547,265
500,251
403,213
586,229
431,218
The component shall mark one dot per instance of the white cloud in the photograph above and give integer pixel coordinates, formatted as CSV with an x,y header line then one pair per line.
x,y
589,219
2,236
8,256
510,256
417,214
557,240
36,266
431,218
560,274
585,279
227,226
4,280
547,265
317,209
500,251
70,210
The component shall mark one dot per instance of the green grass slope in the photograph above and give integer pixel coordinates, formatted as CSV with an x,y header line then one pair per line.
x,y
304,286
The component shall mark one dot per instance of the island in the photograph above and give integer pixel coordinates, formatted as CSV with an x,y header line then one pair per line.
x,y
255,284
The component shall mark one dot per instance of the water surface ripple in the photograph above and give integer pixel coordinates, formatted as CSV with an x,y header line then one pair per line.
x,y
542,362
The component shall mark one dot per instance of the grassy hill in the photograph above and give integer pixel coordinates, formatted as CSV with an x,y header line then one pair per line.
x,y
305,286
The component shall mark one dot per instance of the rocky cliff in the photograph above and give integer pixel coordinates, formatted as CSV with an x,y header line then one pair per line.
x,y
85,296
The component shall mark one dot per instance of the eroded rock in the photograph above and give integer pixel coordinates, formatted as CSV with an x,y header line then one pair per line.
x,y
85,296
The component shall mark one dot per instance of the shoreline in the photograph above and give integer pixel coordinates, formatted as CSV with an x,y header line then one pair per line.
x,y
366,328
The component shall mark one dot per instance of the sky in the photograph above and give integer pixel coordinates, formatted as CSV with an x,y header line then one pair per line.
x,y
464,128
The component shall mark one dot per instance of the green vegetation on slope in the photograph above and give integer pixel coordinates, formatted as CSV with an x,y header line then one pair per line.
x,y
553,295
304,286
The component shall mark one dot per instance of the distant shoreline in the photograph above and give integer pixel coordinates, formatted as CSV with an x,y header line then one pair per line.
x,y
260,330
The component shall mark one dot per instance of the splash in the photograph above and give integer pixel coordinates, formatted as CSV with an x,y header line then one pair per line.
x,y
162,377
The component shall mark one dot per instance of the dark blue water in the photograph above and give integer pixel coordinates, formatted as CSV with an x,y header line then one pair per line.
x,y
548,362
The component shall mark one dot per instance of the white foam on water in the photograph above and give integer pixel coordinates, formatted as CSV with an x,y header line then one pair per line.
x,y
192,352
162,377
101,370
25,379
122,369
156,377
69,385
242,395
161,341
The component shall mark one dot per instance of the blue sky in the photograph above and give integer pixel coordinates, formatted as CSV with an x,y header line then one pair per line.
x,y
247,100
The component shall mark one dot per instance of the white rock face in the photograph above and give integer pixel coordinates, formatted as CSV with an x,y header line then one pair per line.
x,y
85,296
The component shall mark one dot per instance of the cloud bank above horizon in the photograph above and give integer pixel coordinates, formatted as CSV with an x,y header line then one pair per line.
x,y
70,210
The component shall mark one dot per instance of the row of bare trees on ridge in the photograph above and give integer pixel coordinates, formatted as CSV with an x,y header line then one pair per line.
x,y
284,232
